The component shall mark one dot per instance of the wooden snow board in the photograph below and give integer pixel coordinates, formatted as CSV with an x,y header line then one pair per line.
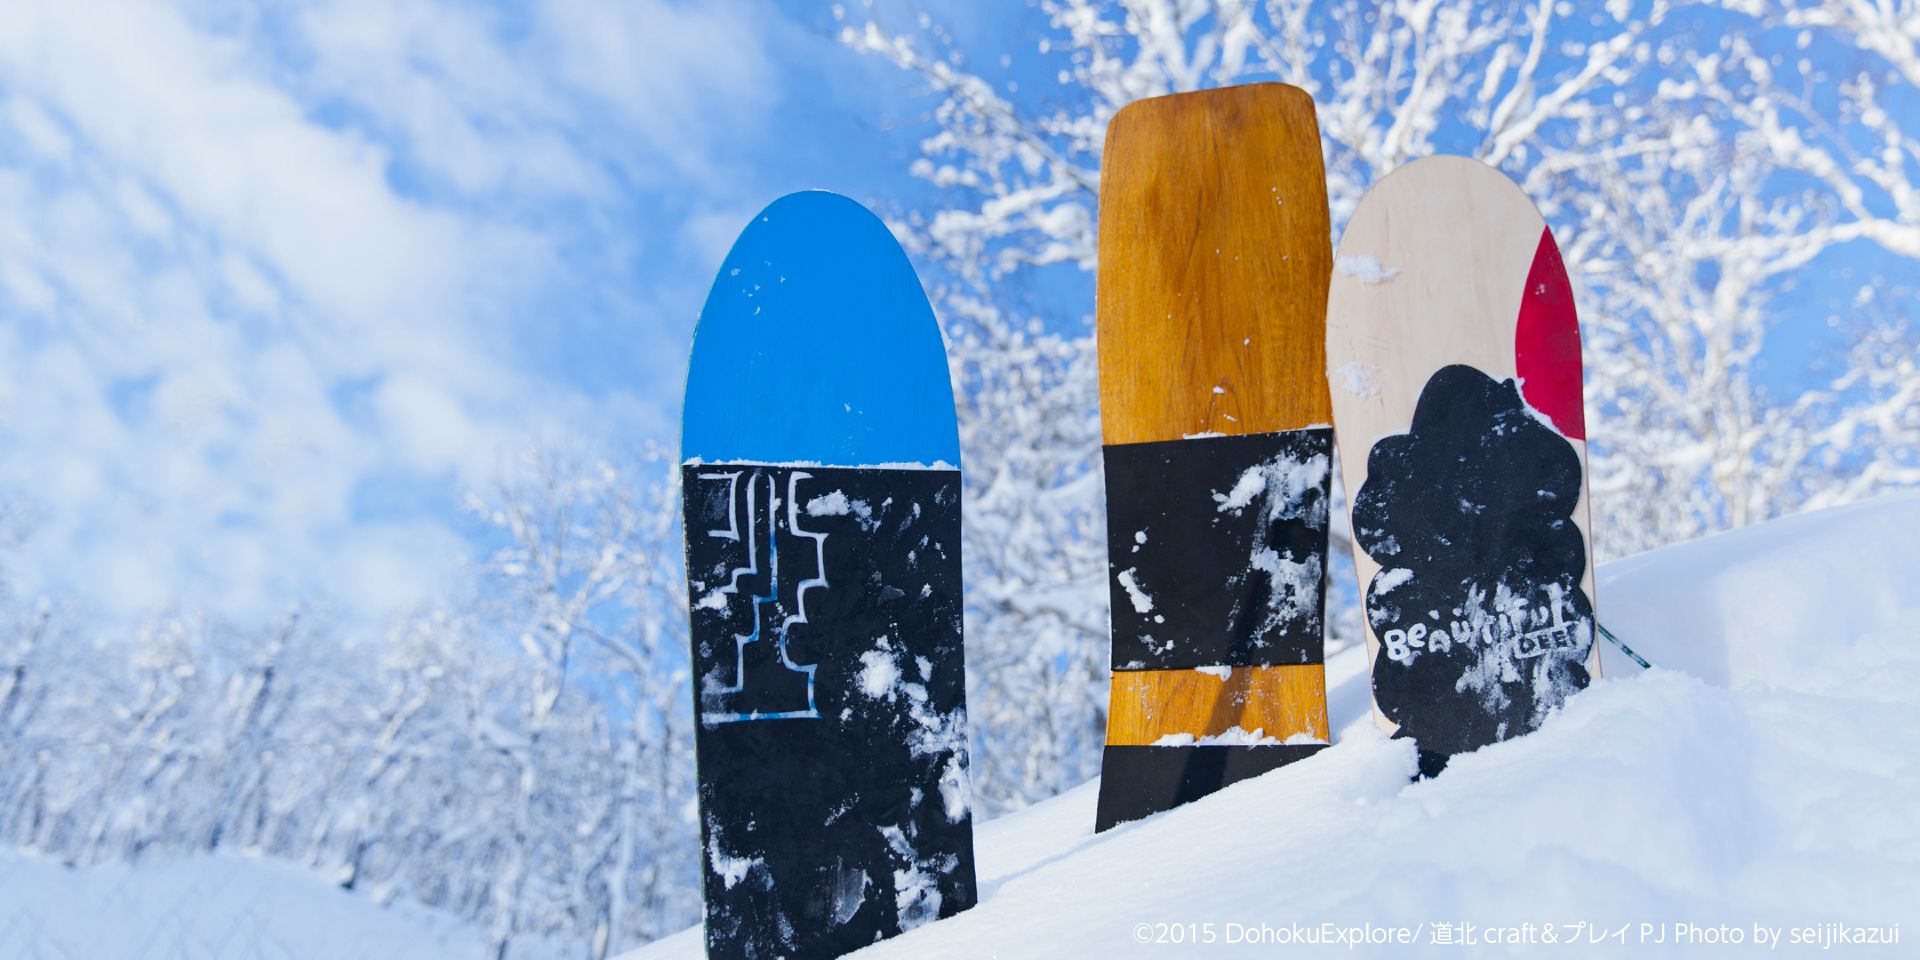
x,y
1453,351
822,512
1211,299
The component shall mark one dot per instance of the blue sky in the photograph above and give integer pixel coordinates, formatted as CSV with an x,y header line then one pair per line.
x,y
280,285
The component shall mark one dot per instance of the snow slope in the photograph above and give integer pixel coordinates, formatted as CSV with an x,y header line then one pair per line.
x,y
1766,771
209,907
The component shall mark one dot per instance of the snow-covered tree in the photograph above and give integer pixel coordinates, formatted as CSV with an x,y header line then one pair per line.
x,y
1700,214
1693,159
592,584
523,760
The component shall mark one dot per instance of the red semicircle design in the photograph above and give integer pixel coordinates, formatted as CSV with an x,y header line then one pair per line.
x,y
1546,342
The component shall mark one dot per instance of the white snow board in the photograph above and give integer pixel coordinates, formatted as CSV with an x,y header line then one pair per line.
x,y
1453,351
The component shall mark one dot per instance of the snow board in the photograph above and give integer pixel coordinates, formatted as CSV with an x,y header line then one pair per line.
x,y
1211,302
1454,354
820,470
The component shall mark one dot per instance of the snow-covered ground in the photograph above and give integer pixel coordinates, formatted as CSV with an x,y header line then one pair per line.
x,y
1767,771
209,907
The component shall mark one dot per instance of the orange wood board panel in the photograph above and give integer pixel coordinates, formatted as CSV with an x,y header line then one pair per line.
x,y
1214,255
1276,702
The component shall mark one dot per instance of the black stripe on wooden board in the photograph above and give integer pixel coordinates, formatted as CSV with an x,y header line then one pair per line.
x,y
1217,549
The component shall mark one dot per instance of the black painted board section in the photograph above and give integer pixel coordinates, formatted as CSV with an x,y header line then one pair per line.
x,y
829,679
1138,782
1483,626
1217,550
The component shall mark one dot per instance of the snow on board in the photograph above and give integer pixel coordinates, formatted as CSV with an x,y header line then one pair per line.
x,y
1464,461
1214,257
822,520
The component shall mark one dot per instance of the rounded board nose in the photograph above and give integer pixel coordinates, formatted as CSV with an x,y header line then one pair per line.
x,y
817,345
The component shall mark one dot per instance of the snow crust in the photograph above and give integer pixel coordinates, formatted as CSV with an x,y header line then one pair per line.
x,y
888,465
1365,269
1357,378
1764,771
731,869
1230,737
1250,485
828,505
1142,603
879,675
214,906
1291,481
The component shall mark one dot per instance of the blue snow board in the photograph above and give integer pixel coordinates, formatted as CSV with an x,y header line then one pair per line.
x,y
820,470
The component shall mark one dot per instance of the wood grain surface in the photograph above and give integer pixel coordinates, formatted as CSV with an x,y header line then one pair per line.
x,y
1215,250
1430,271
1214,255
1278,702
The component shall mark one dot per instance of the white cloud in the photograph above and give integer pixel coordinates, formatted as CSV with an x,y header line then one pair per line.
x,y
675,72
159,100
710,235
478,114
39,130
545,101
399,566
429,428
248,269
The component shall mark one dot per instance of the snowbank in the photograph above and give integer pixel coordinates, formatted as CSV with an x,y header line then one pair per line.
x,y
1817,599
1766,771
209,907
